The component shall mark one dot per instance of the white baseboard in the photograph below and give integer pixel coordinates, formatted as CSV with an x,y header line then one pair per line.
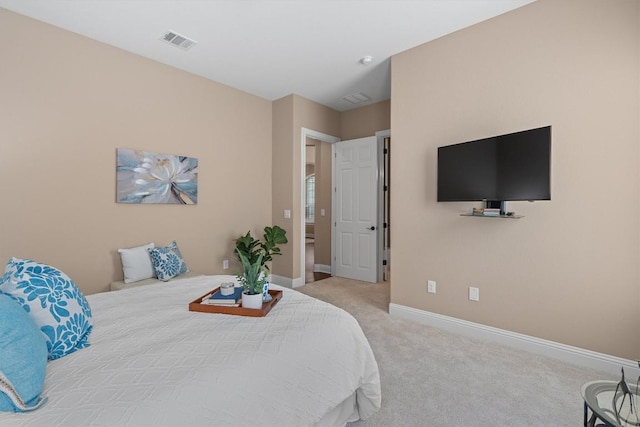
x,y
321,268
574,355
287,282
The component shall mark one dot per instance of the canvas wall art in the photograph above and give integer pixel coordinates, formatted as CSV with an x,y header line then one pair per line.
x,y
147,177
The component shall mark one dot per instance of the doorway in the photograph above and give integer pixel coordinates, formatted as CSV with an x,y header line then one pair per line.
x,y
325,209
317,210
316,253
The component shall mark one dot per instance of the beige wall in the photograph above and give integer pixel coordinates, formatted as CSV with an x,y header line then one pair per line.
x,y
67,102
365,121
569,270
290,115
283,181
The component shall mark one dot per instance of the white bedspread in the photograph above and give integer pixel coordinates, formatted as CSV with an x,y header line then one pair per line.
x,y
154,363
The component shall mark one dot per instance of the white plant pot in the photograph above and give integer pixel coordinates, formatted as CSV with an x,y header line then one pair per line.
x,y
252,301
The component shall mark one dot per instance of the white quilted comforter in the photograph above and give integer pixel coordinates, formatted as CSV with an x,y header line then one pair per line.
x,y
154,363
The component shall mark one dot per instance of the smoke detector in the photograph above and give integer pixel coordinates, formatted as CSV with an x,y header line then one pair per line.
x,y
178,40
366,60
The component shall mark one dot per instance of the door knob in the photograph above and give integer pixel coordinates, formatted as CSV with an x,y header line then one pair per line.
x,y
371,228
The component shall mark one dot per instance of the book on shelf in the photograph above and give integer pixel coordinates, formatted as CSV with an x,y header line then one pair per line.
x,y
486,211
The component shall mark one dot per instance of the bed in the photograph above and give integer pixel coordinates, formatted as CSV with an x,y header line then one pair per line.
x,y
151,362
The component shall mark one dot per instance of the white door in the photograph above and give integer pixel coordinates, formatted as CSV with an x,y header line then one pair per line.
x,y
356,209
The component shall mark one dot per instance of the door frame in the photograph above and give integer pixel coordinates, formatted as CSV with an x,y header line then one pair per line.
x,y
383,253
304,134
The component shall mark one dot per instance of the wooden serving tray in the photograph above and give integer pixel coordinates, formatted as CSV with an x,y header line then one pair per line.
x,y
239,311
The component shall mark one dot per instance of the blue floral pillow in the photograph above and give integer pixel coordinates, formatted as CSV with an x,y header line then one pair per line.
x,y
23,359
167,261
53,301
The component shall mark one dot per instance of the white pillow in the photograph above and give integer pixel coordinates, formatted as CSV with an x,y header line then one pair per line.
x,y
136,263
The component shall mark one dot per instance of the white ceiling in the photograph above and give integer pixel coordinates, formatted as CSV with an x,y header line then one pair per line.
x,y
272,48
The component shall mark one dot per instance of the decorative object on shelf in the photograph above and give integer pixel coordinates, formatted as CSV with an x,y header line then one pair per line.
x,y
147,177
486,211
254,256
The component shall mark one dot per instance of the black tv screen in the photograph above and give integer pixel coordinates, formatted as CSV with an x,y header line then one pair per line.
x,y
515,166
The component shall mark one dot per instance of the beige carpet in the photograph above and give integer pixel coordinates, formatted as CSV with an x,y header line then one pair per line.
x,y
435,378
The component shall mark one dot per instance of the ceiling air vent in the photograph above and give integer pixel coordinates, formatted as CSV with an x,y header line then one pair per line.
x,y
178,40
356,98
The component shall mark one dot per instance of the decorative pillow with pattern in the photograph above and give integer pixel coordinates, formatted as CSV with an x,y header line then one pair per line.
x,y
167,262
53,301
23,359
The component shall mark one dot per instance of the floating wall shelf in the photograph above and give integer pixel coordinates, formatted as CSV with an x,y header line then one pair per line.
x,y
495,216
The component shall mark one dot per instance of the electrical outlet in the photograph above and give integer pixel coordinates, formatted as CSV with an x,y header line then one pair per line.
x,y
225,264
474,293
431,286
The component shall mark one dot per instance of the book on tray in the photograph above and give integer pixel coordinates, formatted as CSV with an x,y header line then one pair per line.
x,y
217,298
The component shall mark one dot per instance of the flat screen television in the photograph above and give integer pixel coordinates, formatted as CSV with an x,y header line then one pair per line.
x,y
515,166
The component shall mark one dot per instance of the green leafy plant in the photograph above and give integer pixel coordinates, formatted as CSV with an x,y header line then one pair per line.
x,y
252,279
254,255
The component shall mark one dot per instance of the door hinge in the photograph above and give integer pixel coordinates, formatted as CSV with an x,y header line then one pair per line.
x,y
384,262
386,151
386,188
384,225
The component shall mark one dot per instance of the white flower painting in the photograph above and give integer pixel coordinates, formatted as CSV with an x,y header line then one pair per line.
x,y
146,177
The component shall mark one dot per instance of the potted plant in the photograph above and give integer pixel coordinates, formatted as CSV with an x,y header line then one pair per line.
x,y
254,255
